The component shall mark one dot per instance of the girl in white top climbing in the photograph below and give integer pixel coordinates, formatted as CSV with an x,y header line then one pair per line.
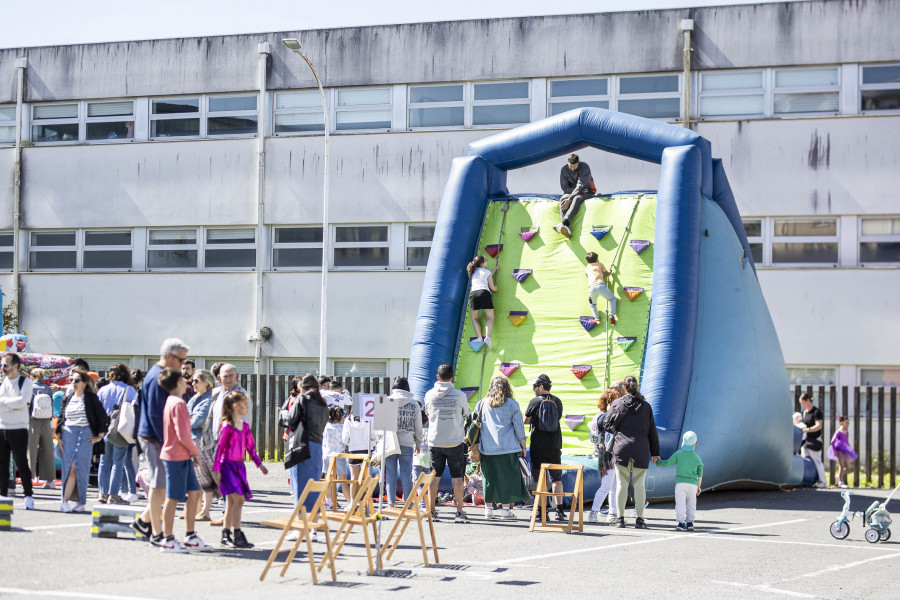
x,y
482,300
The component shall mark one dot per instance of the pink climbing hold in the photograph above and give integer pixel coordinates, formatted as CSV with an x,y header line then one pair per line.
x,y
581,370
573,422
639,245
493,249
527,235
509,368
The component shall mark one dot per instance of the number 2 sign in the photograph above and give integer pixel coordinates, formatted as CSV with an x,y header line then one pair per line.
x,y
367,407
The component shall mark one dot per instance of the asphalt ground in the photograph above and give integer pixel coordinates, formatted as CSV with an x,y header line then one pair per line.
x,y
748,544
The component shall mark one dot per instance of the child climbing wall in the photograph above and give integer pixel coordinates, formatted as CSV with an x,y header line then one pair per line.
x,y
541,325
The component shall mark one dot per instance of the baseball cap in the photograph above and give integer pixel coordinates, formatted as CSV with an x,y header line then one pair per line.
x,y
541,379
688,440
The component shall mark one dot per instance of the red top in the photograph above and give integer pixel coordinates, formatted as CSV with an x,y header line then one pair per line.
x,y
234,444
177,444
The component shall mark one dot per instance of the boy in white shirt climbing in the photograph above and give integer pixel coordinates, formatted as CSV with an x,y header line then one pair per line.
x,y
596,274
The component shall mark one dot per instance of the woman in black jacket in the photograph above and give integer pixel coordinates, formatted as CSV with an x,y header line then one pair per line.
x,y
635,444
310,412
82,423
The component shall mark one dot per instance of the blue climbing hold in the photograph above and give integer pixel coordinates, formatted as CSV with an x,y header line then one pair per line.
x,y
476,346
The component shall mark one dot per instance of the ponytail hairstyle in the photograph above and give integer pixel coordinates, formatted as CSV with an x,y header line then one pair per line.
x,y
309,386
475,264
631,388
231,399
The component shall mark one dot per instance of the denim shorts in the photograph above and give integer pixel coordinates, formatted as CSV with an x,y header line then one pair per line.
x,y
180,479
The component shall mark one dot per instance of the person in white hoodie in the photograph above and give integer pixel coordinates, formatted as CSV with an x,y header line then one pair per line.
x,y
409,435
15,397
447,409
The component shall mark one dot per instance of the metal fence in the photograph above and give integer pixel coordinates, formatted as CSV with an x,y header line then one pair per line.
x,y
873,428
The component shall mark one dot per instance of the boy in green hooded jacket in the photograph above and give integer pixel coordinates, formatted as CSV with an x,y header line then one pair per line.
x,y
688,476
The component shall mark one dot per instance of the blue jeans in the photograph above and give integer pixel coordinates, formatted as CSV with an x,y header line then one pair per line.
x,y
418,470
129,481
77,449
598,290
403,462
309,469
112,465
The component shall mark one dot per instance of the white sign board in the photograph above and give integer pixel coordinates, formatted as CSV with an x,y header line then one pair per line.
x,y
386,409
367,407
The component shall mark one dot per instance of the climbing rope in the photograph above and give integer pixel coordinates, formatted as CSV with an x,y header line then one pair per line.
x,y
504,208
612,265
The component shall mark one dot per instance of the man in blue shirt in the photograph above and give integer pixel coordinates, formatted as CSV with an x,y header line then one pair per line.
x,y
172,355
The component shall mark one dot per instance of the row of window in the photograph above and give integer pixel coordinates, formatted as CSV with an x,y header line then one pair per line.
x,y
792,242
342,367
293,247
745,93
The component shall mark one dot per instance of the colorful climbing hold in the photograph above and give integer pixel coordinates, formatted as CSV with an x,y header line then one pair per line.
x,y
598,231
573,422
637,245
625,342
588,322
493,249
521,274
581,370
469,392
527,233
476,346
517,317
509,368
633,292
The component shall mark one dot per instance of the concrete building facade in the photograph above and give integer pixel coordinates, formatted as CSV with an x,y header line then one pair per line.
x,y
174,187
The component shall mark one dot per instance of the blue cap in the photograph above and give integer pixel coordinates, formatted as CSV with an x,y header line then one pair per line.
x,y
688,440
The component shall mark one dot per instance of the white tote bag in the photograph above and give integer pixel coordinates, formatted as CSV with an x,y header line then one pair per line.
x,y
126,424
389,444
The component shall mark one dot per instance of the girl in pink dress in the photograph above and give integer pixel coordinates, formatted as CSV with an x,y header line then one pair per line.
x,y
841,451
235,441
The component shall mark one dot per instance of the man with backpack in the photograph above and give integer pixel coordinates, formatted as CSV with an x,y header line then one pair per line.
x,y
40,431
543,414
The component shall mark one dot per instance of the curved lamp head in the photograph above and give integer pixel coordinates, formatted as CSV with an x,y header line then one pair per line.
x,y
291,44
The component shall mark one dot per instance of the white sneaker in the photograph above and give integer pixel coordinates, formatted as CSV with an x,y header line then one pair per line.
x,y
488,512
194,543
49,486
507,515
612,519
130,497
592,517
292,536
29,503
487,342
78,508
172,547
64,507
314,537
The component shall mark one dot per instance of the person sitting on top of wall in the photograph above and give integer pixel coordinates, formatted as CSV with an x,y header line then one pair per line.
x,y
577,186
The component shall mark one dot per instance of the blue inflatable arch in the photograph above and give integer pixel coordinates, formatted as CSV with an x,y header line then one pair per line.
x,y
689,178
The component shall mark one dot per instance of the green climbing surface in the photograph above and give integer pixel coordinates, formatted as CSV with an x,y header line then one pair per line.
x,y
551,340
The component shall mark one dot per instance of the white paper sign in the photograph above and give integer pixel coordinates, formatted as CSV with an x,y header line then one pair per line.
x,y
367,407
386,409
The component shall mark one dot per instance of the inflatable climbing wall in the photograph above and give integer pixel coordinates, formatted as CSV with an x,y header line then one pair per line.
x,y
692,323
543,320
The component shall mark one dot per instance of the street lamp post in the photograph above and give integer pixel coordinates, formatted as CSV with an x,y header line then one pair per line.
x,y
294,46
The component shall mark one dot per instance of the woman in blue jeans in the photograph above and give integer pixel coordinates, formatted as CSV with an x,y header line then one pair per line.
x,y
115,460
82,423
398,468
315,416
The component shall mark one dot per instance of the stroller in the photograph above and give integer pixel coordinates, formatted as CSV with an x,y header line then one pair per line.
x,y
876,517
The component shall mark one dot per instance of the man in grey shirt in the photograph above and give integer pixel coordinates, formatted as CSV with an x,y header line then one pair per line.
x,y
577,186
447,409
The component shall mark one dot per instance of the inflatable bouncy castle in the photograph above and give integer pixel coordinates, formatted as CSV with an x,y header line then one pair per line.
x,y
692,324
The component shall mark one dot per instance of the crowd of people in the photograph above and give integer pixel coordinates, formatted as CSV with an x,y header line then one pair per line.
x,y
191,436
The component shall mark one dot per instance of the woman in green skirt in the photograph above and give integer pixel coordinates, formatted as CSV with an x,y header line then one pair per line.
x,y
502,442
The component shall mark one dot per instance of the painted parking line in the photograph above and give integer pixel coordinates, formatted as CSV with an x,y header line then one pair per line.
x,y
62,594
849,565
767,588
677,536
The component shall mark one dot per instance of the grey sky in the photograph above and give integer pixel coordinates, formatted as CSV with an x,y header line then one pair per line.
x,y
57,22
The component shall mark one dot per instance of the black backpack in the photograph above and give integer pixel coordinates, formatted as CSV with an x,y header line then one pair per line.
x,y
547,415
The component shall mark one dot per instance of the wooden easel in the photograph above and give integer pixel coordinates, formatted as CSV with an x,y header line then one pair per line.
x,y
306,523
408,513
541,495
